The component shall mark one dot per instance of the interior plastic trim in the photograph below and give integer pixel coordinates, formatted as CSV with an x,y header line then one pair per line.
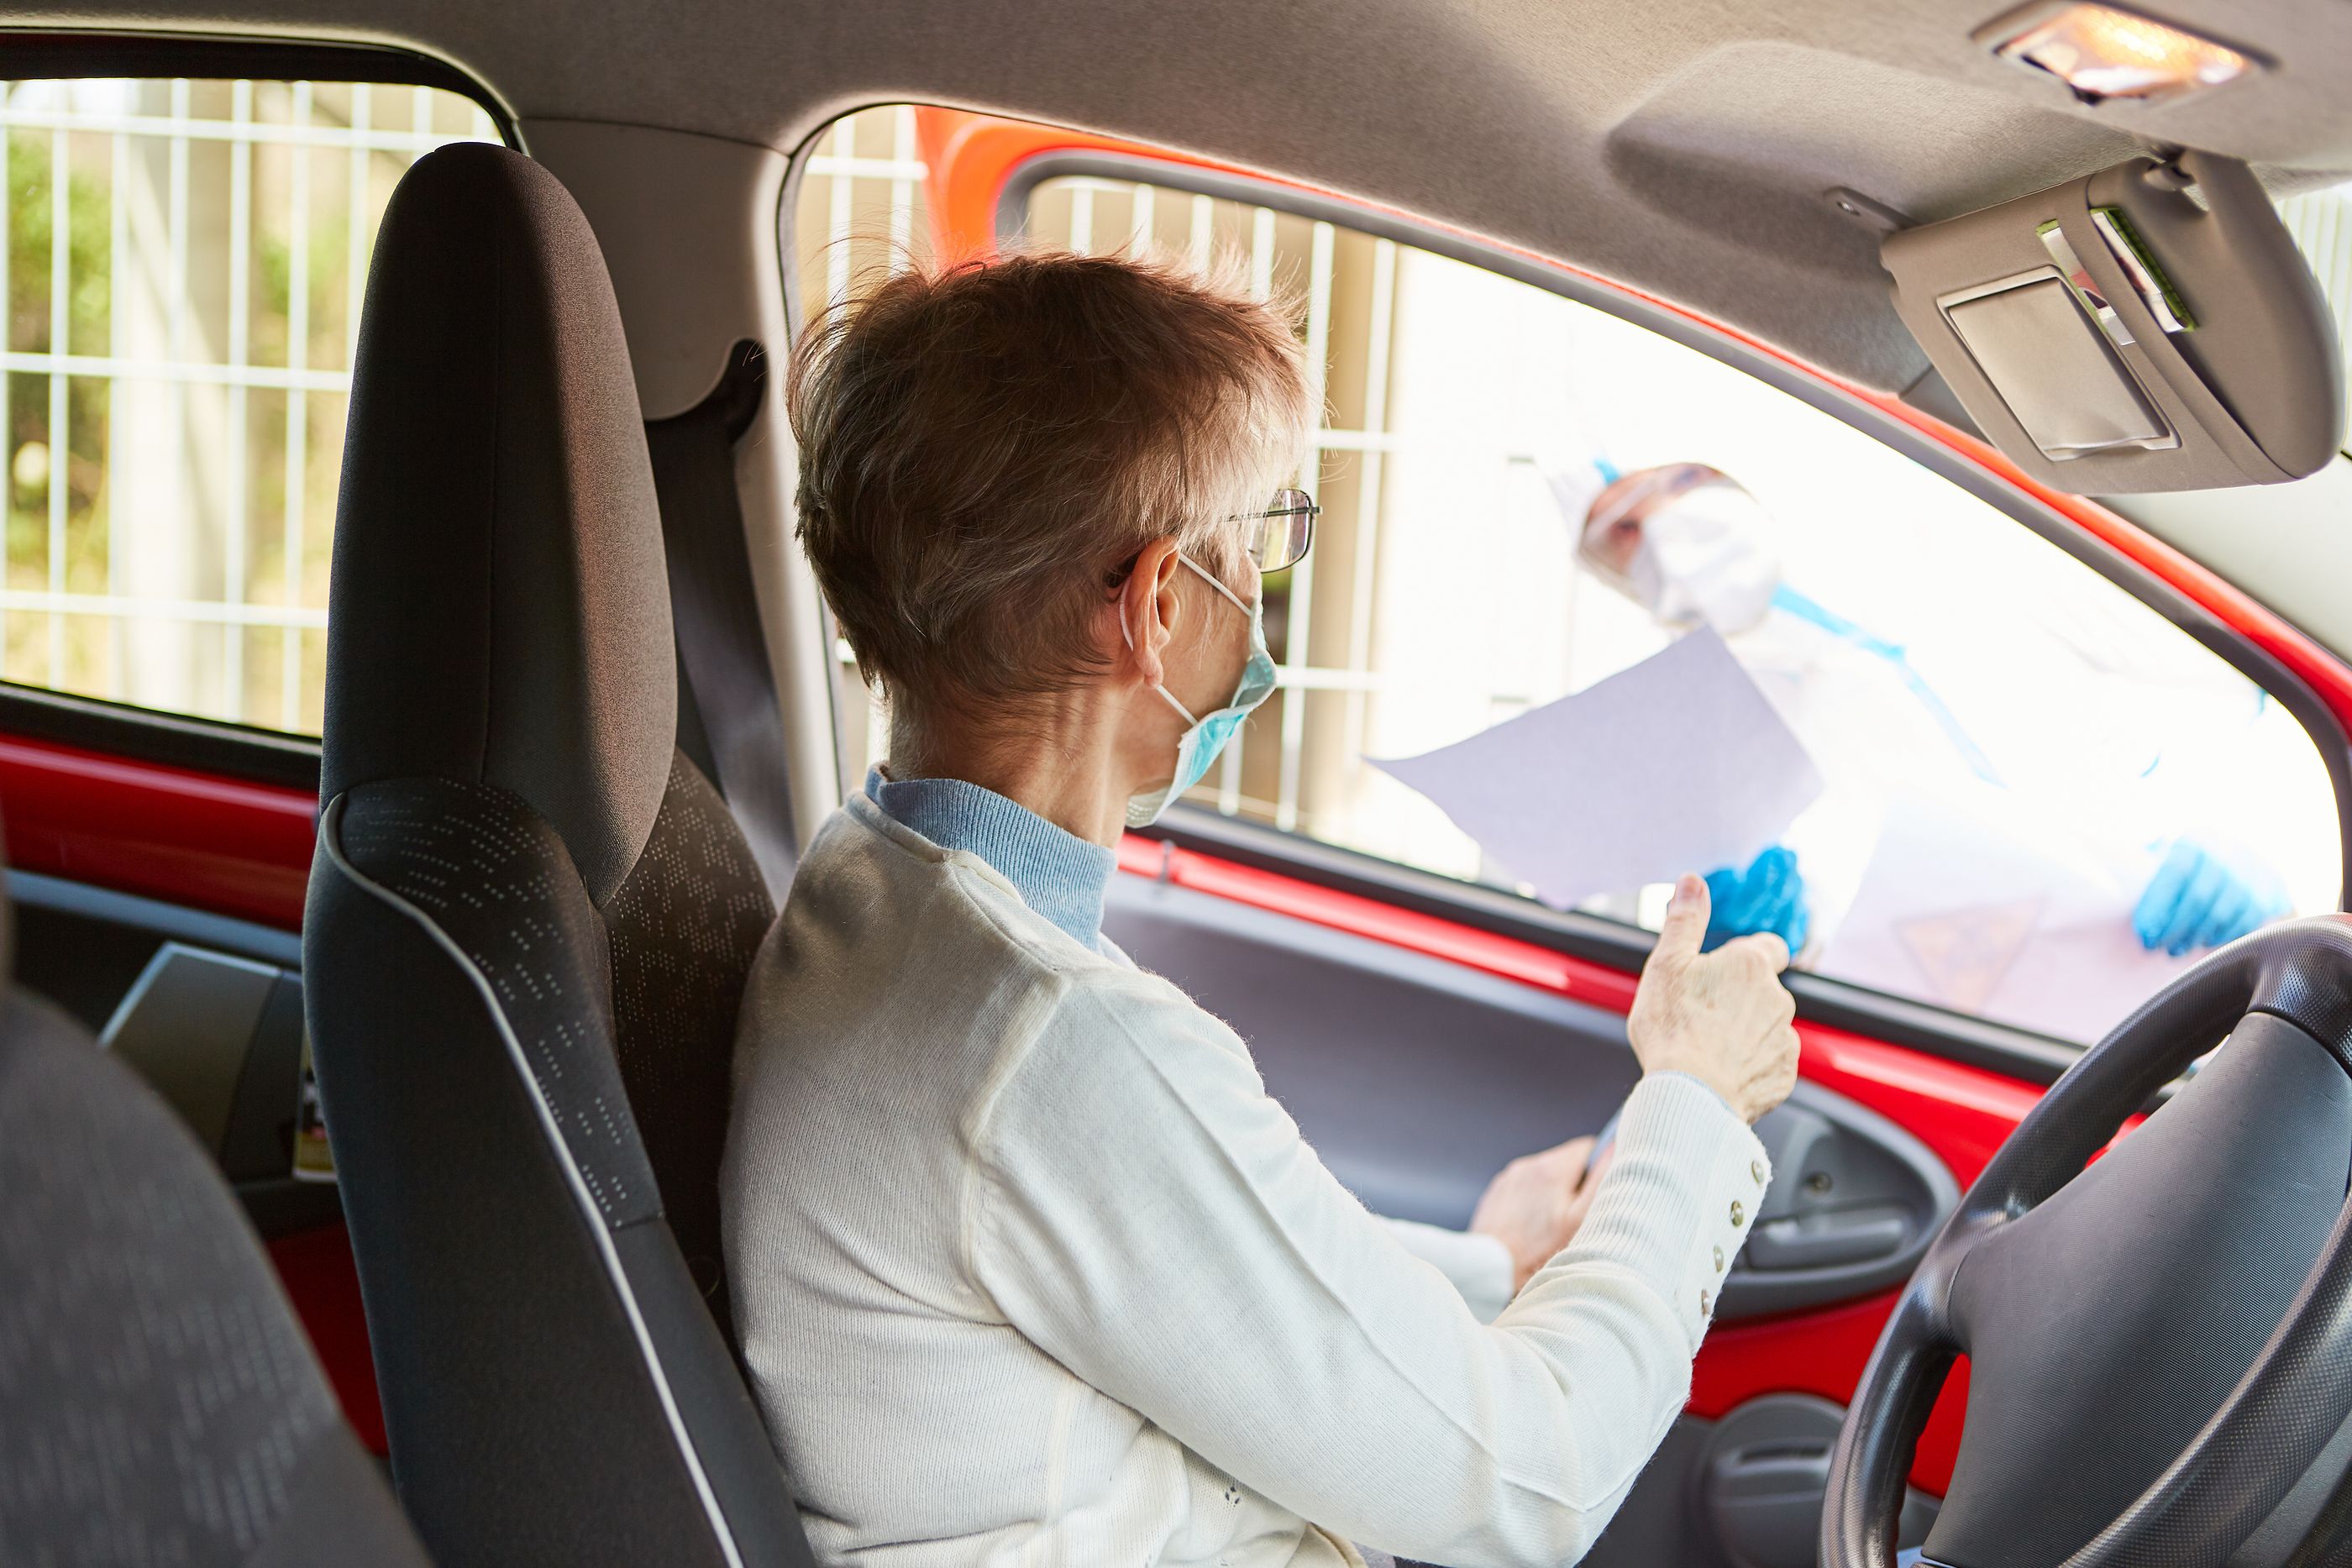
x,y
172,922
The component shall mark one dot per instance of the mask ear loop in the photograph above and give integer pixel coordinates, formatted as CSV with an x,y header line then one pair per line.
x,y
1129,638
1212,579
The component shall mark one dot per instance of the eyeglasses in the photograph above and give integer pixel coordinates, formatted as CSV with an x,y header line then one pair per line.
x,y
1279,536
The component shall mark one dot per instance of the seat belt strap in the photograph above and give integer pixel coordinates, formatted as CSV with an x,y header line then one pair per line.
x,y
730,719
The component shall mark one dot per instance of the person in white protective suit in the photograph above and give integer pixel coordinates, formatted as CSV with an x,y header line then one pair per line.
x,y
2105,756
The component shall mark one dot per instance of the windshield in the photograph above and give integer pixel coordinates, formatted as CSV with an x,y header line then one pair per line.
x,y
2320,223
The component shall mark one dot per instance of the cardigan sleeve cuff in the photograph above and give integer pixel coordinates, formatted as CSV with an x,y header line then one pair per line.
x,y
1681,1193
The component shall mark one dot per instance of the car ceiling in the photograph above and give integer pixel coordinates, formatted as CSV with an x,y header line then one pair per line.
x,y
1683,149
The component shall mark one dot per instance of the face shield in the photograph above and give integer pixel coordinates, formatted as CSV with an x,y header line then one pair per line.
x,y
1690,555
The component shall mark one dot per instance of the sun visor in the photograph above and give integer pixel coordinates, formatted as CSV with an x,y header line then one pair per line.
x,y
2151,327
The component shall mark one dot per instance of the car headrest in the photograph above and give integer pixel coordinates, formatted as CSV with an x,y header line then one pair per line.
x,y
499,611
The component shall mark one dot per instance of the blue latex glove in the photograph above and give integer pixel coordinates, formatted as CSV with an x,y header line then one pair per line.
x,y
1770,895
2199,899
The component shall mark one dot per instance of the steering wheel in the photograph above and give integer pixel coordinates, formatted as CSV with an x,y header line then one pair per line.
x,y
2155,1357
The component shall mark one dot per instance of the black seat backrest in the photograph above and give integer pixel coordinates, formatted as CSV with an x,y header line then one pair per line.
x,y
531,917
158,1402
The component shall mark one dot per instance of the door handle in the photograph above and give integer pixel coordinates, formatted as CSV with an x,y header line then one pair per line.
x,y
1828,1239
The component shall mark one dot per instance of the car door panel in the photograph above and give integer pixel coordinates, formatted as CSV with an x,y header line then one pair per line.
x,y
1416,1079
1419,1056
1413,1079
226,845
1417,1076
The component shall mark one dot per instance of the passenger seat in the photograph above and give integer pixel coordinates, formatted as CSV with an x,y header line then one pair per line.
x,y
159,1403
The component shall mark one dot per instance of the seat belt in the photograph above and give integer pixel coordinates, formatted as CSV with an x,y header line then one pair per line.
x,y
730,719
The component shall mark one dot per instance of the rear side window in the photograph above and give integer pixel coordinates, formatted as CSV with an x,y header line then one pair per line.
x,y
182,263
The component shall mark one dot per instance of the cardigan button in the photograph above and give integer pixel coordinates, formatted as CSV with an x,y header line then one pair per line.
x,y
1756,1169
1718,1260
1706,1303
1738,1212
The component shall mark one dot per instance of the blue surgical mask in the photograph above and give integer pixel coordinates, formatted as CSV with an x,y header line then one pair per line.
x,y
1205,737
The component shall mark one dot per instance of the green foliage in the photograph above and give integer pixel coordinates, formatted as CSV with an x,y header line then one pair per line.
x,y
88,242
89,282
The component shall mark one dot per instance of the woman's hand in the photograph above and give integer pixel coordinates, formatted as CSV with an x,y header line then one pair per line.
x,y
1721,1017
1536,1204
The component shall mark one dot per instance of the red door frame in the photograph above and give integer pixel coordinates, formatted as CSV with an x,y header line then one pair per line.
x,y
222,845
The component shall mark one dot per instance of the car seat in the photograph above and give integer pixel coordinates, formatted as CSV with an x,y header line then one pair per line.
x,y
531,917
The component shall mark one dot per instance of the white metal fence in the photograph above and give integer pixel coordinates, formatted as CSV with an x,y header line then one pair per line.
x,y
182,264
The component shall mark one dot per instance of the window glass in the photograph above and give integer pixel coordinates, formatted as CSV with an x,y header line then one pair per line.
x,y
863,203
182,263
2013,749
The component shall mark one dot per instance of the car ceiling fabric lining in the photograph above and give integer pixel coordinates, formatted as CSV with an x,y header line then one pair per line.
x,y
1683,151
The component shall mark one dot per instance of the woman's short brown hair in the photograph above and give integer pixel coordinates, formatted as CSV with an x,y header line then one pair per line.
x,y
983,446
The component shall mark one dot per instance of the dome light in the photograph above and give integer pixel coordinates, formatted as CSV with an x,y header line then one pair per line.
x,y
2104,52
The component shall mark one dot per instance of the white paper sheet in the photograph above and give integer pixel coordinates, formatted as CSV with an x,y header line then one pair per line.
x,y
1676,764
1975,906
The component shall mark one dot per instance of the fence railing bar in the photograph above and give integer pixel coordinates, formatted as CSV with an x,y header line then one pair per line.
x,y
902,186
137,607
109,367
356,236
1300,638
298,405
1365,554
1261,287
60,436
318,136
1330,440
118,229
837,214
849,166
235,565
1140,218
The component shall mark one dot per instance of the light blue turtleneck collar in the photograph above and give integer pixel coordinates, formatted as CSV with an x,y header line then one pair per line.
x,y
1057,873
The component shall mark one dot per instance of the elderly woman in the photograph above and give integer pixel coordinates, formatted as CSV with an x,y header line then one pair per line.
x,y
1027,1265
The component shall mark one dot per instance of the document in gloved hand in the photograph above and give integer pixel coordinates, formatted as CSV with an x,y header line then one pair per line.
x,y
1676,764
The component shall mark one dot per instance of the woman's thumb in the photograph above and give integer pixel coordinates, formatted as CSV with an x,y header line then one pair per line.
x,y
1686,915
